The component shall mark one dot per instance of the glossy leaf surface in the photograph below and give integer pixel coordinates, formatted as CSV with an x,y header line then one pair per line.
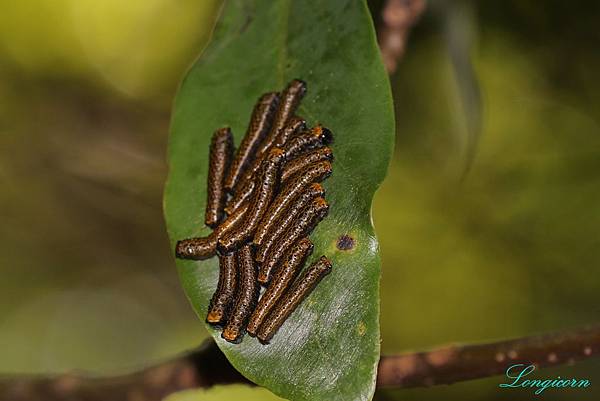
x,y
329,347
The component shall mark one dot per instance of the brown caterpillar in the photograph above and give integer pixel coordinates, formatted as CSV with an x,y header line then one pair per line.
x,y
196,248
296,184
295,125
310,216
233,220
276,201
269,179
260,123
302,287
245,191
279,227
317,136
221,153
244,188
290,99
247,296
293,264
223,297
299,163
205,247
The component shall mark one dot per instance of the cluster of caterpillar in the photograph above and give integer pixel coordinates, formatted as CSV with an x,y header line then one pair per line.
x,y
263,201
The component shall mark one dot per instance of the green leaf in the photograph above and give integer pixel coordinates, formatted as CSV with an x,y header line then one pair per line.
x,y
221,393
329,348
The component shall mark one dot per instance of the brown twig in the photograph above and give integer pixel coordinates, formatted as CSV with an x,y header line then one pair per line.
x,y
201,368
398,16
207,366
465,362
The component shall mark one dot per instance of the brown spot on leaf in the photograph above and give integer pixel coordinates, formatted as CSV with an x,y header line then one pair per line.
x,y
345,243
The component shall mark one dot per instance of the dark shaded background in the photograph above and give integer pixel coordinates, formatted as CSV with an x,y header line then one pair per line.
x,y
489,220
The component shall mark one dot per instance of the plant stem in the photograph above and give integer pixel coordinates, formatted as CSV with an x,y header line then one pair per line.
x,y
397,17
466,362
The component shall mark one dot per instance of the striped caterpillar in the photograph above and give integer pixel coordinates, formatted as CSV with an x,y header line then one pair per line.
x,y
263,201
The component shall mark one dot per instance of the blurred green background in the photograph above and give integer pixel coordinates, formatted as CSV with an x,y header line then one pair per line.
x,y
481,239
